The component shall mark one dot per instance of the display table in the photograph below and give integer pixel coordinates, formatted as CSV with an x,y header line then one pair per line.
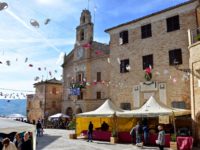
x,y
124,137
184,143
99,135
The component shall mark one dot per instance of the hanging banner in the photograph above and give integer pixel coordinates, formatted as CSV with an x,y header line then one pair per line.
x,y
75,91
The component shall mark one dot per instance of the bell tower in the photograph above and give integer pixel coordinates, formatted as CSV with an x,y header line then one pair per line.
x,y
84,32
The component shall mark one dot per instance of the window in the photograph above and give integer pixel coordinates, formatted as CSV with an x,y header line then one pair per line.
x,y
82,35
80,97
175,57
125,106
53,104
147,61
146,31
79,77
98,95
123,37
173,23
179,104
98,76
83,20
123,66
54,90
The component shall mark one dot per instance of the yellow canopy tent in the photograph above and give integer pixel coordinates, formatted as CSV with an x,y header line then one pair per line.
x,y
106,112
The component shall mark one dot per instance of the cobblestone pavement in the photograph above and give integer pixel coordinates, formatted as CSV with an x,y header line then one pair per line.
x,y
55,139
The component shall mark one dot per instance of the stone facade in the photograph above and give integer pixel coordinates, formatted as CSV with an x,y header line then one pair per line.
x,y
168,84
81,66
194,50
46,101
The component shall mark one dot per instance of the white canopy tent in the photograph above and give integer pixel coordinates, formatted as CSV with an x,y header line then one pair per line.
x,y
153,108
16,116
7,126
58,115
107,109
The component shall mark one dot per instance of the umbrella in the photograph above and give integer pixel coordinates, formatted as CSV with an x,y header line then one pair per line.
x,y
58,115
16,116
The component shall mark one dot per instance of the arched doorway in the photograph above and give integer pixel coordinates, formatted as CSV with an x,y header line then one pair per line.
x,y
69,111
78,110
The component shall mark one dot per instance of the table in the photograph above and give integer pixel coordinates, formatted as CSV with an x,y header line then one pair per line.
x,y
99,135
184,142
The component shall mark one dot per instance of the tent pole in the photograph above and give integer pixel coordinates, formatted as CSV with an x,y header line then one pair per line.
x,y
174,123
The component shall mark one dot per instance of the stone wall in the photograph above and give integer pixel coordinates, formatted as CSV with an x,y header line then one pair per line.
x,y
123,84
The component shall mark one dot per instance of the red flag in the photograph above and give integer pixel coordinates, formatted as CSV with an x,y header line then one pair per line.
x,y
30,65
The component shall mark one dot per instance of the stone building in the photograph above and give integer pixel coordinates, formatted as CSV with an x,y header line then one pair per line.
x,y
46,101
157,43
86,66
194,61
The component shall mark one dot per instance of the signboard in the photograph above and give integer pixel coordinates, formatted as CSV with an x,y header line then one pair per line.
x,y
164,119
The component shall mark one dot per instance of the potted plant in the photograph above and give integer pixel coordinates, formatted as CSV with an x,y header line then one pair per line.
x,y
197,37
113,138
173,143
72,126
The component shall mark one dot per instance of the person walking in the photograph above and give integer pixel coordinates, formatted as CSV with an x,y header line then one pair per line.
x,y
8,145
161,138
90,131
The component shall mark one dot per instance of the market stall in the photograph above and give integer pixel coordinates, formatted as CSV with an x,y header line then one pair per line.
x,y
105,113
153,108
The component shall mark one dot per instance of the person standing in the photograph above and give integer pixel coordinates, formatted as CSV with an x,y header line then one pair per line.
x,y
90,131
38,127
1,145
146,134
138,133
27,144
17,141
132,133
8,145
161,137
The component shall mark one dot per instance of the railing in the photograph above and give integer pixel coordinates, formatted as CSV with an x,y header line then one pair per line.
x,y
193,36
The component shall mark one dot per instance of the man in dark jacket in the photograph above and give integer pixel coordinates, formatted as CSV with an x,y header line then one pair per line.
x,y
90,131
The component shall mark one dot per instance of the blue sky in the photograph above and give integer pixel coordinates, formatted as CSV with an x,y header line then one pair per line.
x,y
44,46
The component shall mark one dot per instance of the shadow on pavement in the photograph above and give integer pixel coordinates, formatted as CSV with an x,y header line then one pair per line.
x,y
45,140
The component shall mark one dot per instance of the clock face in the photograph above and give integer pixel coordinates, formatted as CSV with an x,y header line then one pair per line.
x,y
79,52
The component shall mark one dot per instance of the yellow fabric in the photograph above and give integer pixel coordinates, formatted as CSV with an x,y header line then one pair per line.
x,y
122,124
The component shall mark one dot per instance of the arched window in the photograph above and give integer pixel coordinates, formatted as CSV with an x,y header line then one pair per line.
x,y
82,35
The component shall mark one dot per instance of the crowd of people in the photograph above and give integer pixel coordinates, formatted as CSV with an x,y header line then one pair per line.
x,y
22,141
139,130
